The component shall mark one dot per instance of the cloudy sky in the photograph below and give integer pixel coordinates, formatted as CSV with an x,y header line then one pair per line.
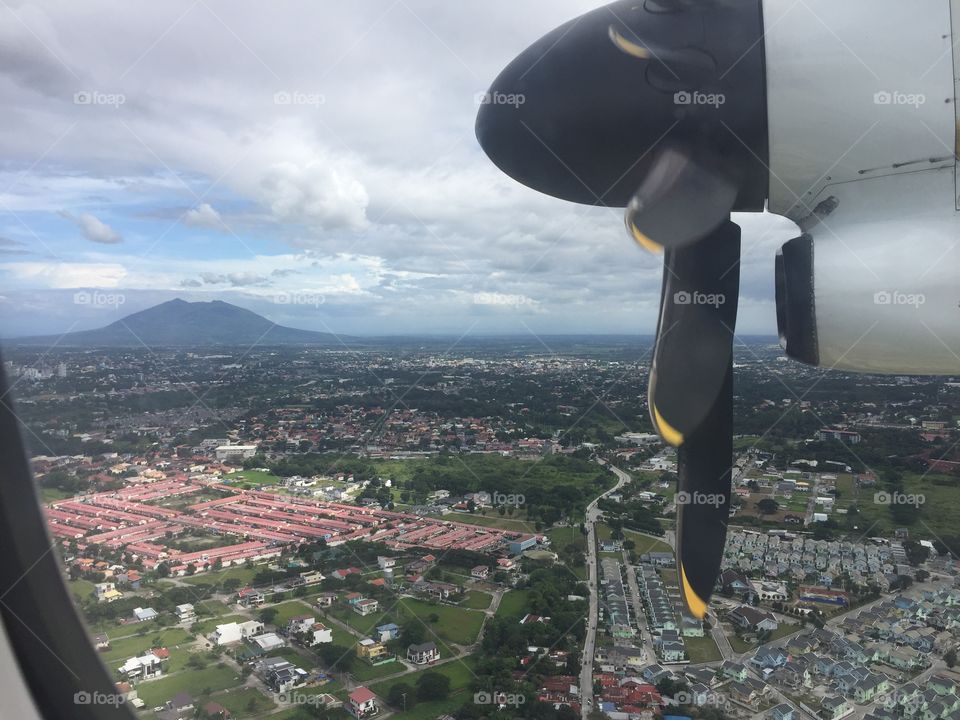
x,y
311,161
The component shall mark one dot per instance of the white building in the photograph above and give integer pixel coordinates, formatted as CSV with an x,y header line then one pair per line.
x,y
235,632
235,452
140,668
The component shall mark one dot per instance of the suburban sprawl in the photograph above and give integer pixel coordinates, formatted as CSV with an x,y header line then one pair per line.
x,y
413,531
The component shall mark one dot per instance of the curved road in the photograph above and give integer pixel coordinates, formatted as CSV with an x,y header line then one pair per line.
x,y
589,645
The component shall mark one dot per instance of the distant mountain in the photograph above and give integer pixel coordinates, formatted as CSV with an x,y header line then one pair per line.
x,y
188,324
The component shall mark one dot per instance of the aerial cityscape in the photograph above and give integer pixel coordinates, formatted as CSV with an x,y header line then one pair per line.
x,y
442,529
423,360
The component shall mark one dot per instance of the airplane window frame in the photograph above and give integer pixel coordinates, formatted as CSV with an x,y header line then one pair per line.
x,y
57,660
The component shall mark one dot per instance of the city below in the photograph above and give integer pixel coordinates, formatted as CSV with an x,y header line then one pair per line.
x,y
317,528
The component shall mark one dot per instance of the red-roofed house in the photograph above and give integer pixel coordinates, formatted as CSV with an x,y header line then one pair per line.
x,y
362,703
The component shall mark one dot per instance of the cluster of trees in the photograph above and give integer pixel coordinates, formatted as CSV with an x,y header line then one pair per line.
x,y
429,686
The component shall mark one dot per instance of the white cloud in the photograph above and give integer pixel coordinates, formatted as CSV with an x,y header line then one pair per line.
x,y
94,229
204,215
60,275
378,196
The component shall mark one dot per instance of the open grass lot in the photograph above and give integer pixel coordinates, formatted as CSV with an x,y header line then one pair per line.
x,y
603,531
362,672
254,477
211,608
646,544
567,482
476,600
438,708
81,588
461,674
516,524
195,682
702,649
244,575
48,494
122,649
205,627
846,489
455,624
940,509
513,604
740,645
290,609
246,702
561,537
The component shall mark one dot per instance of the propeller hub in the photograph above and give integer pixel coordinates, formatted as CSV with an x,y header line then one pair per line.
x,y
583,112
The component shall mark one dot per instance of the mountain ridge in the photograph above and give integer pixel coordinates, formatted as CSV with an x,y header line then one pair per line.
x,y
178,323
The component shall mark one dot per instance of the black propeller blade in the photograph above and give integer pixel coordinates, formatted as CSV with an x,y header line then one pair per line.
x,y
701,285
659,106
686,195
705,464
691,399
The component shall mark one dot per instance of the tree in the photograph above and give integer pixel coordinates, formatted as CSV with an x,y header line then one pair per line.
x,y
336,657
768,506
950,657
433,686
413,633
267,615
401,696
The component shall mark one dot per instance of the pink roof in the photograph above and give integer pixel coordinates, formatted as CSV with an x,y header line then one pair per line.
x,y
361,695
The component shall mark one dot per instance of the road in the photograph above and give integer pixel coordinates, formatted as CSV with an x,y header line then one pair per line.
x,y
644,639
589,645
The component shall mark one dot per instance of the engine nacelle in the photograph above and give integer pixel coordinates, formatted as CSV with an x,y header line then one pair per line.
x,y
874,283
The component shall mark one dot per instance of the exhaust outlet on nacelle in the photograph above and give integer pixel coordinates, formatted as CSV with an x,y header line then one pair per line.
x,y
873,305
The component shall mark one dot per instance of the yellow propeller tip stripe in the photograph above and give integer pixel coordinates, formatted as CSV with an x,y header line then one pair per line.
x,y
696,606
645,242
666,430
628,46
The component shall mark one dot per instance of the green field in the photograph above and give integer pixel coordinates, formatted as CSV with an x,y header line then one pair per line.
x,y
455,624
81,588
127,647
646,544
290,609
49,495
432,710
195,682
363,672
561,537
516,524
205,627
513,604
570,537
211,608
702,649
244,575
940,510
245,703
461,674
256,477
476,600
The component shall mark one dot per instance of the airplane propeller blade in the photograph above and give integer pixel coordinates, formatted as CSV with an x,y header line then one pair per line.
x,y
704,465
701,285
685,196
691,399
